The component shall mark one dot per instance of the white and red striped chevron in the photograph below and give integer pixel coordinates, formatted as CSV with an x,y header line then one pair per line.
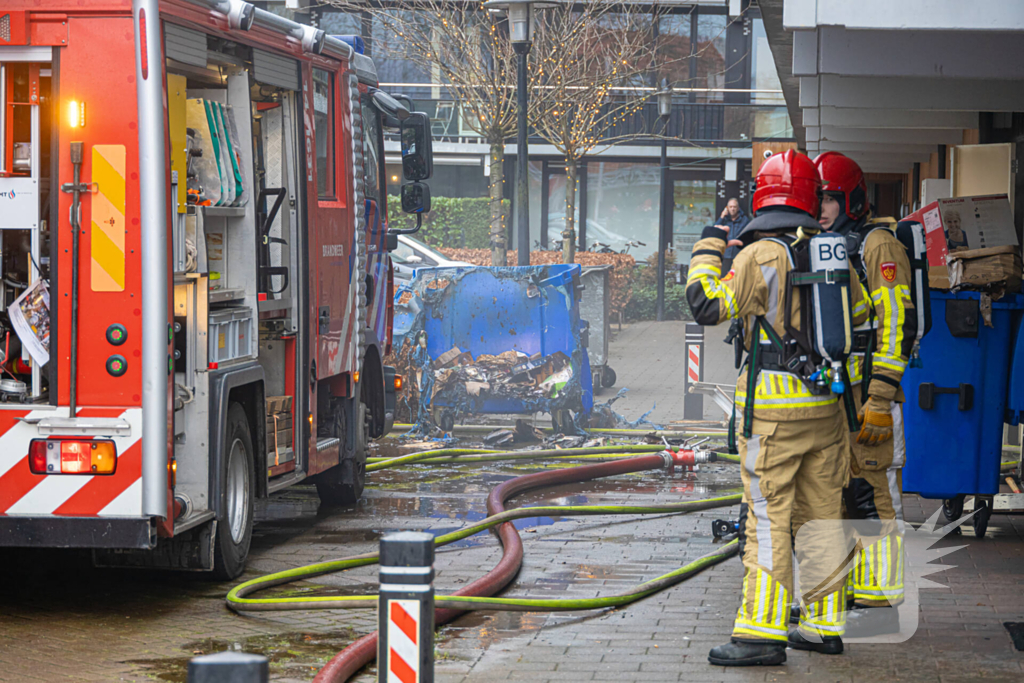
x,y
24,493
403,665
693,362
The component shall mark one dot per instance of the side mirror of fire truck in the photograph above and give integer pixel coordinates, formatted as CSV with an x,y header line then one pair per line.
x,y
417,150
416,198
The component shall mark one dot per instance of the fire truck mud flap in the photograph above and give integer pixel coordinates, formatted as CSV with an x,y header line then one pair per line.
x,y
77,532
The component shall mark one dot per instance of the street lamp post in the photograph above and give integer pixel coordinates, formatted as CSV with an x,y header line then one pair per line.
x,y
664,111
520,23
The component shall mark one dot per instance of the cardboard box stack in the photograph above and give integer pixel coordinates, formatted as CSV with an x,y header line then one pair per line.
x,y
972,244
279,427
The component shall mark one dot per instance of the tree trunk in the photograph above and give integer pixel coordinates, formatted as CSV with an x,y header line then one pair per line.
x,y
569,234
499,250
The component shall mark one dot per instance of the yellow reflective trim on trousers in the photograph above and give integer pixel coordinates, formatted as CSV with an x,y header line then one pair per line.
x,y
827,616
764,609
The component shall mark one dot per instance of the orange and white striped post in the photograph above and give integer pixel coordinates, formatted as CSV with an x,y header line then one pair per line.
x,y
693,403
405,650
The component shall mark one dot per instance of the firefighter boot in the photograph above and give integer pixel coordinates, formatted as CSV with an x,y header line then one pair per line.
x,y
748,653
829,645
864,622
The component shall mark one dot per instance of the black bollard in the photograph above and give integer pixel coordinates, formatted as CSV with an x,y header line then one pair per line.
x,y
405,650
229,667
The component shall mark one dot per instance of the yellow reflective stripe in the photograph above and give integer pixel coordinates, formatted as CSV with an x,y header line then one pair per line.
x,y
703,269
896,364
106,244
878,571
893,302
763,613
795,402
713,288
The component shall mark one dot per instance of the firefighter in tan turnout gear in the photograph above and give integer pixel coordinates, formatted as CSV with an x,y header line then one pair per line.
x,y
793,437
882,348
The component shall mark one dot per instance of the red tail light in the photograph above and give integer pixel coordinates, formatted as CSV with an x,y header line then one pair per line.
x,y
37,456
72,456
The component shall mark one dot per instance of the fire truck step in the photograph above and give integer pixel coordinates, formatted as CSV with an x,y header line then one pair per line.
x,y
329,442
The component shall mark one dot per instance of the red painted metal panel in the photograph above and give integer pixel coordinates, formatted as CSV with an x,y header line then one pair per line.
x,y
98,68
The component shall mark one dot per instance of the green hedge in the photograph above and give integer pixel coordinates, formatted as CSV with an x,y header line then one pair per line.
x,y
644,302
453,222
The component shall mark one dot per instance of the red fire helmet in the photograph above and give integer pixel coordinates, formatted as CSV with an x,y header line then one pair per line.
x,y
788,179
841,175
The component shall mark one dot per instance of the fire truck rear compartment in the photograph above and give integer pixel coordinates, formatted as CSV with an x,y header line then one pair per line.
x,y
236,212
26,119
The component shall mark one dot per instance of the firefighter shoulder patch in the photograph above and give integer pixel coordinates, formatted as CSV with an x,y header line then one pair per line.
x,y
889,271
728,276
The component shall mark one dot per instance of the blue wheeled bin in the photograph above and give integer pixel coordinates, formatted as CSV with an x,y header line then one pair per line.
x,y
956,402
489,311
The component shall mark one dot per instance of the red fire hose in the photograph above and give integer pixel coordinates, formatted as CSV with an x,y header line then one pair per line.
x,y
346,663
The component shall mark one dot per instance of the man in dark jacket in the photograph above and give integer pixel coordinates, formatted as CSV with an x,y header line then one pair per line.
x,y
734,220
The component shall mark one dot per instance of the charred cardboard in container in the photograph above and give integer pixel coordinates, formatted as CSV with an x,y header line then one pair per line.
x,y
997,269
447,359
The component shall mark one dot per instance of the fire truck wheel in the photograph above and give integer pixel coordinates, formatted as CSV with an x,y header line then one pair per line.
x,y
236,500
342,485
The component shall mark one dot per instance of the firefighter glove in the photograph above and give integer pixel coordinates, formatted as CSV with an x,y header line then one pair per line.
x,y
876,422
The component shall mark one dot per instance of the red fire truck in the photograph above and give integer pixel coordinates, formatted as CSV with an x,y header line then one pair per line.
x,y
196,287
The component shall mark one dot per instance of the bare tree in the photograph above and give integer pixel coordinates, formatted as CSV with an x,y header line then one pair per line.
x,y
468,49
590,71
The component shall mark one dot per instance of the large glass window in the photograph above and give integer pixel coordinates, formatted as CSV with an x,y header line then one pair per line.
x,y
341,24
622,205
535,173
763,74
674,48
393,58
323,123
693,208
556,208
711,55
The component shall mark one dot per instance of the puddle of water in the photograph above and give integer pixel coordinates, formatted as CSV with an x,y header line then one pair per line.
x,y
298,654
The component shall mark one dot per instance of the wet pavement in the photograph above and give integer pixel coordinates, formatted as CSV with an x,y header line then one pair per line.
x,y
61,619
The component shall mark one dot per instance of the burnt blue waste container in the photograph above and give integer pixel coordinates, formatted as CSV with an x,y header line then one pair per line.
x,y
957,401
498,340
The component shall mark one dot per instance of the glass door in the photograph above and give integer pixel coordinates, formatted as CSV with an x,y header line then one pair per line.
x,y
692,207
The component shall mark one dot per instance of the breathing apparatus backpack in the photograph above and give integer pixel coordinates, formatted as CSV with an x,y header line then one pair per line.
x,y
911,235
817,350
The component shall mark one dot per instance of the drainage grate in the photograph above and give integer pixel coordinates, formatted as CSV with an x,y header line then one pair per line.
x,y
1016,630
5,28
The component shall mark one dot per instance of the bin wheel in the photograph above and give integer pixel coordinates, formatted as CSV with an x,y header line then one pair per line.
x,y
953,508
447,422
981,517
608,377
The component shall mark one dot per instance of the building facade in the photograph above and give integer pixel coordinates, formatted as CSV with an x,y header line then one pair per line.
x,y
727,101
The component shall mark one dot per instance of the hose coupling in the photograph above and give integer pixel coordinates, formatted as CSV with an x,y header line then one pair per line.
x,y
688,458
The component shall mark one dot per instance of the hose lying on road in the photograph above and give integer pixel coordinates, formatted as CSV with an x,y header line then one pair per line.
x,y
677,431
477,595
350,660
